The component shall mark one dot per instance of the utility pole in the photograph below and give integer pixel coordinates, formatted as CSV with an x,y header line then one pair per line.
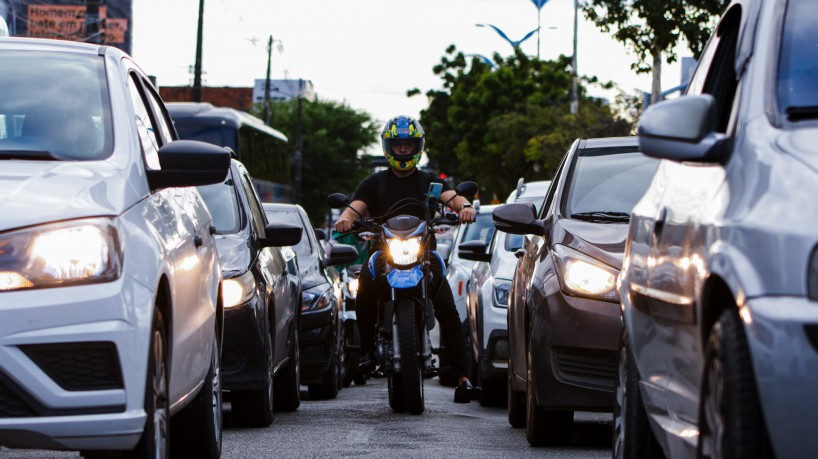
x,y
93,32
298,145
267,82
197,67
574,95
539,10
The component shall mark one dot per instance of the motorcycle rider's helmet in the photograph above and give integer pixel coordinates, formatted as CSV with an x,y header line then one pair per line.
x,y
403,127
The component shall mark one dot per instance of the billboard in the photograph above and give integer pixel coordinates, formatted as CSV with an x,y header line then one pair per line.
x,y
94,21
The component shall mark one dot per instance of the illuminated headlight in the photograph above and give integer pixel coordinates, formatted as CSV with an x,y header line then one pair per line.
x,y
70,253
502,288
582,275
352,287
238,290
404,252
315,299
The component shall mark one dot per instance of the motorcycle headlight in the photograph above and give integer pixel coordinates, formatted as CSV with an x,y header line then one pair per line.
x,y
238,290
352,287
69,253
502,288
582,275
315,299
404,251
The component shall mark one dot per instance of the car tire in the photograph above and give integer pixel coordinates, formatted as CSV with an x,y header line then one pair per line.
x,y
287,384
632,435
254,408
341,355
516,401
197,429
731,423
327,389
544,427
155,440
351,338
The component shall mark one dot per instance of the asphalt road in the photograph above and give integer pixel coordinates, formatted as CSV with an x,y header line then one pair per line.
x,y
359,423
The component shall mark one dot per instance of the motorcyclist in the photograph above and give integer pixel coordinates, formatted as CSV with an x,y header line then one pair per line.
x,y
403,140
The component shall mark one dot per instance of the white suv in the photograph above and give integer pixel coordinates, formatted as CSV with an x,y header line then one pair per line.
x,y
109,277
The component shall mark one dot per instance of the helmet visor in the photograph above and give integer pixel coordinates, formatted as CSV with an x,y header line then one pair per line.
x,y
403,148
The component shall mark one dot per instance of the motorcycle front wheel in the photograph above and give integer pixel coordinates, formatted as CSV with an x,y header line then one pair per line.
x,y
411,376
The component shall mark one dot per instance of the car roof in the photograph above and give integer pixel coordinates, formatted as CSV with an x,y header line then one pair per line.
x,y
43,44
207,113
610,142
282,207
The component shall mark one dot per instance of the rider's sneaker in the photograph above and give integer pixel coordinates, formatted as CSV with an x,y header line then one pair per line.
x,y
465,392
367,364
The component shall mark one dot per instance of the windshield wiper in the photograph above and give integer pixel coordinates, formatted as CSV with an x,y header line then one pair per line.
x,y
600,216
802,113
29,154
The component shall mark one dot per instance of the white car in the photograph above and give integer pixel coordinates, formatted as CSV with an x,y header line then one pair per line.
x,y
109,276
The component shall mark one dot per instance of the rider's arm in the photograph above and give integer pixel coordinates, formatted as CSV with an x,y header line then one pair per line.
x,y
348,216
457,203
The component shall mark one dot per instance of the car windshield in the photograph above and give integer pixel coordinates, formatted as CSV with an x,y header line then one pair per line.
x,y
481,230
54,107
221,202
608,182
798,66
221,136
304,248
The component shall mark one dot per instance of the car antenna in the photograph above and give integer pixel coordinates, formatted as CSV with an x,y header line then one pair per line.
x,y
520,187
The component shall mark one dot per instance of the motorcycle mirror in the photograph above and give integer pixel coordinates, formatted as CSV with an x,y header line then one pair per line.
x,y
337,200
466,189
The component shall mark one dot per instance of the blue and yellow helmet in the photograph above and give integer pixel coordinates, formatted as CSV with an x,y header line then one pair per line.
x,y
403,127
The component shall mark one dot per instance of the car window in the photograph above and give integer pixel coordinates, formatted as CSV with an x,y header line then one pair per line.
x,y
144,125
552,189
222,203
304,247
481,230
608,180
54,103
161,115
258,217
798,62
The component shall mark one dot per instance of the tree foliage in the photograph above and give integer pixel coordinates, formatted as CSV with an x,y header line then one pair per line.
x,y
333,136
495,126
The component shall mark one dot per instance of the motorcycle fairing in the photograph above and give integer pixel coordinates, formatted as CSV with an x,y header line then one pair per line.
x,y
442,265
372,260
405,278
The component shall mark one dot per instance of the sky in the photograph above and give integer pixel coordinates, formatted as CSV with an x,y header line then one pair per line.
x,y
365,53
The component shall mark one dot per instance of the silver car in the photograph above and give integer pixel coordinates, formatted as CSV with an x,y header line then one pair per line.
x,y
719,285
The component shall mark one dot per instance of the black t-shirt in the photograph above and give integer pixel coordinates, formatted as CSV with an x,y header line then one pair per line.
x,y
383,189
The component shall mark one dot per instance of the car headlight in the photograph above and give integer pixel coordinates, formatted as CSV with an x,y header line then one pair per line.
x,y
315,299
582,275
69,253
238,290
502,288
352,287
404,251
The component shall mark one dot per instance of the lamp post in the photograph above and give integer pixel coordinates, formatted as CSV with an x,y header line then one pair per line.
x,y
514,44
574,95
539,4
197,67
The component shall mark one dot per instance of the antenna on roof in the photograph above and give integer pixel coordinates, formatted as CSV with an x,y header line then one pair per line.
x,y
520,187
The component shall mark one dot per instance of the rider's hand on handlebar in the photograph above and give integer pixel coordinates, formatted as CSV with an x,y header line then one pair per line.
x,y
467,215
343,225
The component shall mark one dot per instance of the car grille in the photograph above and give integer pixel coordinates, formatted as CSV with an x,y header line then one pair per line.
x,y
78,366
590,369
11,405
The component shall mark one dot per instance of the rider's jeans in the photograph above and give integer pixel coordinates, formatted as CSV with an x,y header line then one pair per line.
x,y
451,329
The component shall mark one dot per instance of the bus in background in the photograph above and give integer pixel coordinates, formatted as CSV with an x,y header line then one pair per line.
x,y
262,149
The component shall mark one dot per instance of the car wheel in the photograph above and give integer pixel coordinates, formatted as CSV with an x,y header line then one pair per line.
x,y
731,424
287,384
632,437
351,338
342,358
328,387
254,408
197,429
155,439
544,427
516,401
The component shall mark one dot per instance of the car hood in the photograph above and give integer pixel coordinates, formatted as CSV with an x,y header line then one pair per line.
x,y
36,192
503,263
234,253
801,144
602,241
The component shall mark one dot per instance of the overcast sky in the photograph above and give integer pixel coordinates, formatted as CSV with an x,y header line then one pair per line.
x,y
366,53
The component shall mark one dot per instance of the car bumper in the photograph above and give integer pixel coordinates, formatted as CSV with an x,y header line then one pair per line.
x,y
73,365
316,343
494,337
782,333
244,363
574,345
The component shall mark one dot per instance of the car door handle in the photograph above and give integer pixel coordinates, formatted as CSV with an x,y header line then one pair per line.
x,y
659,225
519,253
198,241
212,229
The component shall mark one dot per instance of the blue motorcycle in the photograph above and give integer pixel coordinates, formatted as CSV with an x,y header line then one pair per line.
x,y
402,345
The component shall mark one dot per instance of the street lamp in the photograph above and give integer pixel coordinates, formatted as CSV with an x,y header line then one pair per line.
x,y
484,59
514,44
539,4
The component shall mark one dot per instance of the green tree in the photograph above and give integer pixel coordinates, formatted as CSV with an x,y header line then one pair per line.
x,y
497,125
334,135
652,27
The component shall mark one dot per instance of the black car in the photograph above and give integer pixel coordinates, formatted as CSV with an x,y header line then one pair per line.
x,y
563,307
321,332
260,351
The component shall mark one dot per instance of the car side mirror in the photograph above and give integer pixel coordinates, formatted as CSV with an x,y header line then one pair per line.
x,y
189,163
519,218
281,235
682,129
474,250
320,234
341,254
